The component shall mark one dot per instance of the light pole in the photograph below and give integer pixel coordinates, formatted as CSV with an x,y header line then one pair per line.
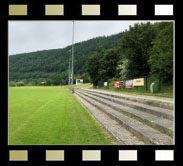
x,y
69,75
69,82
72,73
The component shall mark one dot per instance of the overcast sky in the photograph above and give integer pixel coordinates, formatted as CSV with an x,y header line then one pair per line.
x,y
30,36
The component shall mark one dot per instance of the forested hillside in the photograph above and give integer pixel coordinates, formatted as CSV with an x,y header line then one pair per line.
x,y
52,65
145,49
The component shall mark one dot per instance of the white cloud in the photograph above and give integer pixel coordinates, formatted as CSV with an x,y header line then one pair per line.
x,y
29,36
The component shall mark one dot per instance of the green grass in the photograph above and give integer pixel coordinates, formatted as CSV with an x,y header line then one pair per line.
x,y
51,116
166,91
74,86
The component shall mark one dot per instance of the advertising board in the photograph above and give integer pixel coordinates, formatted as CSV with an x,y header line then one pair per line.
x,y
138,82
116,84
129,84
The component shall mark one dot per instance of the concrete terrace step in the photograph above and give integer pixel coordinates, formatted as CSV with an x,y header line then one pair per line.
x,y
160,112
121,135
147,134
164,125
150,100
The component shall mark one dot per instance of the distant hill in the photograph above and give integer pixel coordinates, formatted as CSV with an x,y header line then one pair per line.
x,y
52,65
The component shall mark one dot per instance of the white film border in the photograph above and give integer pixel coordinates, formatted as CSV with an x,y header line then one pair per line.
x,y
164,10
91,155
127,10
92,10
164,155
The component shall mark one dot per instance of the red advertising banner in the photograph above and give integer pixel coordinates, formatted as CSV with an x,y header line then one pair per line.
x,y
116,84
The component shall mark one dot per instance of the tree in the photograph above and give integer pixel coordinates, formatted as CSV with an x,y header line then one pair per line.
x,y
135,45
109,64
102,65
122,69
161,59
94,65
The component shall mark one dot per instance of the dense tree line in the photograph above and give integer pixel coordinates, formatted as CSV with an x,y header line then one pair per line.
x,y
102,65
144,49
52,66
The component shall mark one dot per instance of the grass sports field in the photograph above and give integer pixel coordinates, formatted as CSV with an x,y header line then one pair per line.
x,y
51,116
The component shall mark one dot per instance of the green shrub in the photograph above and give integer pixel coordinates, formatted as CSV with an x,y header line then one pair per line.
x,y
20,84
12,83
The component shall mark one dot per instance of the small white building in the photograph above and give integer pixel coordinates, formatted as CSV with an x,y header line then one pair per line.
x,y
79,81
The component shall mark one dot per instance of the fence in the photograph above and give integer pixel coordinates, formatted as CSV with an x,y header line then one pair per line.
x,y
148,80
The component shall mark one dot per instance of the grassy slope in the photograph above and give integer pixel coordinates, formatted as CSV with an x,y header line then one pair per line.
x,y
166,91
49,115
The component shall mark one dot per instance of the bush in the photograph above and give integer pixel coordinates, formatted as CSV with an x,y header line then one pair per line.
x,y
20,84
12,83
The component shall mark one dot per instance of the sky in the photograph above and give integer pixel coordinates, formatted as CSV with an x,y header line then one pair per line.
x,y
30,36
